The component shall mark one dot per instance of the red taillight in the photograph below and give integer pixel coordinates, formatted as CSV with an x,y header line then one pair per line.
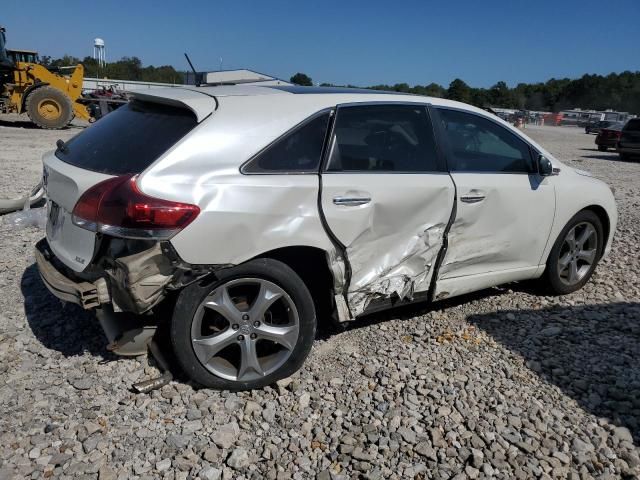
x,y
117,207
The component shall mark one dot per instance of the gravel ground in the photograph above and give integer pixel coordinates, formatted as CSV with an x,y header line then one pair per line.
x,y
500,384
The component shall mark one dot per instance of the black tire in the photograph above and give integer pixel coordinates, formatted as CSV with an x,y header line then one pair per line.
x,y
602,148
552,276
49,108
192,296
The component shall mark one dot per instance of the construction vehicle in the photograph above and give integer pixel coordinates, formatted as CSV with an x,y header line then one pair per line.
x,y
49,98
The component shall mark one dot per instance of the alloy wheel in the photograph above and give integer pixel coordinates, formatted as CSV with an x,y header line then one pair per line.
x,y
578,253
245,329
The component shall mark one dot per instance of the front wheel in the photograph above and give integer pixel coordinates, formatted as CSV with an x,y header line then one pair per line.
x,y
575,254
251,327
602,148
49,108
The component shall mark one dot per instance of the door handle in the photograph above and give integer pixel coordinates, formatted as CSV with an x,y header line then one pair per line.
x,y
351,201
472,197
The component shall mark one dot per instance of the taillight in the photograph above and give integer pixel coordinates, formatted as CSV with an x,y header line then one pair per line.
x,y
117,207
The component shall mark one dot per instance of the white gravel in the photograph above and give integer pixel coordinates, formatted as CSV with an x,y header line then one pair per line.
x,y
501,384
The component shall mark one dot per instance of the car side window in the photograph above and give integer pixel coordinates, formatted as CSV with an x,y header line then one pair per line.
x,y
383,138
297,151
480,145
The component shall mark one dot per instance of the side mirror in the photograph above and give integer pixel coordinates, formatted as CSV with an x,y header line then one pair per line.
x,y
545,168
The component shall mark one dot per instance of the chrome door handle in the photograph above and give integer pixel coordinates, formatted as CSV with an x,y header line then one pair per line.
x,y
351,201
472,198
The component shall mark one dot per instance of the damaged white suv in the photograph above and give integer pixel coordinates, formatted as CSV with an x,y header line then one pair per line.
x,y
255,212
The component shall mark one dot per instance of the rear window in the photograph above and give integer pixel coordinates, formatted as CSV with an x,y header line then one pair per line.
x,y
129,139
297,151
633,125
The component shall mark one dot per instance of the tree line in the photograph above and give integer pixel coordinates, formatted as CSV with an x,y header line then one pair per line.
x,y
618,91
127,68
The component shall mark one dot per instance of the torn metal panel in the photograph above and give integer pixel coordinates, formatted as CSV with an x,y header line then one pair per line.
x,y
138,281
392,241
404,268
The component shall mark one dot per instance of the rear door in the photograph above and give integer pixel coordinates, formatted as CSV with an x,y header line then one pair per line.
x,y
504,210
386,198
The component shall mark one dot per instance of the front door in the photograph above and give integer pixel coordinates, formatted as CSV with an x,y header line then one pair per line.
x,y
387,198
504,210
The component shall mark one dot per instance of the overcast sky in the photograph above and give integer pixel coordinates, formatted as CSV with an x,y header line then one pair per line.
x,y
346,42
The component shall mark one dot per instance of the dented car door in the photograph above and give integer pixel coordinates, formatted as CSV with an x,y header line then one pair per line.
x,y
504,210
386,199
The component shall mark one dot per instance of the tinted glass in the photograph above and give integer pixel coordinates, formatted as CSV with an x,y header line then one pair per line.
x,y
480,145
297,151
633,125
129,139
383,138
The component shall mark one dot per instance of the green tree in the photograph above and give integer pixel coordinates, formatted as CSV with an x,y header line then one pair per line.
x,y
460,91
301,79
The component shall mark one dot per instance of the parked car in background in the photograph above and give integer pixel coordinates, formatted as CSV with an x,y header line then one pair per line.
x,y
599,125
608,137
629,142
252,213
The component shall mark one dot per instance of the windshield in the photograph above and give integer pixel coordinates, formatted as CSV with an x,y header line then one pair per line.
x,y
129,139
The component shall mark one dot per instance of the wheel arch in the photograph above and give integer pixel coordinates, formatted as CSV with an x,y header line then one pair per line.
x,y
602,215
606,223
312,265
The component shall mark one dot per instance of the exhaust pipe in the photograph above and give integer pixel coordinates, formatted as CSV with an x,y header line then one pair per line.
x,y
158,382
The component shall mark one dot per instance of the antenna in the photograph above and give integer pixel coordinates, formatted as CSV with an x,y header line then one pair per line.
x,y
195,74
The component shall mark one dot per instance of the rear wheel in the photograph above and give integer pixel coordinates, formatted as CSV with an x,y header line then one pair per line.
x,y
253,326
602,148
575,254
49,108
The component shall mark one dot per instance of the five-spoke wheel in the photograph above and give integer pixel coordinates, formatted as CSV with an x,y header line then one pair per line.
x,y
575,254
245,329
253,326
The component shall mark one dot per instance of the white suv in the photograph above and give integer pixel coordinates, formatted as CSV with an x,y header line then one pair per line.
x,y
251,213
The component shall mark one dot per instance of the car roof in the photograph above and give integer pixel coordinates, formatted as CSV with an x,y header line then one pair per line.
x,y
199,99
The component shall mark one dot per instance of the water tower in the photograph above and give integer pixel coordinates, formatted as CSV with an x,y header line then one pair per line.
x,y
99,52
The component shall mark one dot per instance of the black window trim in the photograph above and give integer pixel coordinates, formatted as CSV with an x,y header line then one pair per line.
x,y
301,124
444,140
440,157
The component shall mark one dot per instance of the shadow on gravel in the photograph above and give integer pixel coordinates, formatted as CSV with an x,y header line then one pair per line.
x,y
408,311
591,352
610,155
66,328
26,124
18,124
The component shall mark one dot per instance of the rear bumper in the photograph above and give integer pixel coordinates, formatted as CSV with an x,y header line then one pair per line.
x,y
86,294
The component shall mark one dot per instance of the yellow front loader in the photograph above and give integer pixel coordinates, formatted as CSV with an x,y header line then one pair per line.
x,y
49,98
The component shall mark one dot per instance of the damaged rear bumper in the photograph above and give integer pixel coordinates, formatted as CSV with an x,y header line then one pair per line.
x,y
86,294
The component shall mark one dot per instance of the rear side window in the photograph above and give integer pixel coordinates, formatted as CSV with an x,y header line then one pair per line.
x,y
480,145
297,151
633,125
129,139
383,138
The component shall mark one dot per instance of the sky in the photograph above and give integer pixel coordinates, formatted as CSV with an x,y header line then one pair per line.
x,y
346,42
